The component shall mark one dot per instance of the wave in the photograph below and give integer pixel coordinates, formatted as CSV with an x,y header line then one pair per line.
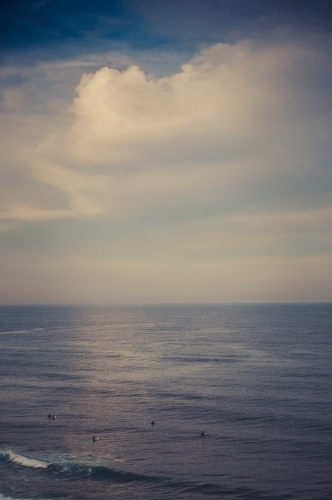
x,y
3,497
24,461
5,332
77,471
22,331
73,470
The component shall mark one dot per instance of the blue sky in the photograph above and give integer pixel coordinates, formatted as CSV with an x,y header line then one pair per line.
x,y
165,151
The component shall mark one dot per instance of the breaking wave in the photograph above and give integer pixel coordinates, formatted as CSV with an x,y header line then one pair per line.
x,y
24,461
74,470
77,471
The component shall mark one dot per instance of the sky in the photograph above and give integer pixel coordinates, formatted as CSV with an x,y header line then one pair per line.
x,y
165,151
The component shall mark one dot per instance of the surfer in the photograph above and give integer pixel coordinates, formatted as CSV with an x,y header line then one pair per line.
x,y
203,434
94,439
49,415
153,422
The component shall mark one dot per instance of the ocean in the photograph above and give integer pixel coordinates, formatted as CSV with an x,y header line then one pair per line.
x,y
147,381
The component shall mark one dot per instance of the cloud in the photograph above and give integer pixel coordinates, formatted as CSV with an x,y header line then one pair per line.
x,y
214,181
240,127
232,130
222,99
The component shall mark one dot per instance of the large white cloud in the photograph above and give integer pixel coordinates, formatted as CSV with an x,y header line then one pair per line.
x,y
240,126
237,122
223,103
223,165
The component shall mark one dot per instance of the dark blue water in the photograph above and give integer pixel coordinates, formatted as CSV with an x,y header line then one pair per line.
x,y
257,379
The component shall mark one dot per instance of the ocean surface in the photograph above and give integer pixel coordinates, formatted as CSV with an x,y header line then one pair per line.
x,y
256,379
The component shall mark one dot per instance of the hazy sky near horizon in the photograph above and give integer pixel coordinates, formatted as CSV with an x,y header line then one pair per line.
x,y
165,151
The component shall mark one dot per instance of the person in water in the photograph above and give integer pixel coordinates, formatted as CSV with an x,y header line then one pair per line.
x,y
203,434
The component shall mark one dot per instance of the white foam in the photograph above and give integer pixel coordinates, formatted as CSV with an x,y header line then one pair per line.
x,y
15,331
2,497
26,462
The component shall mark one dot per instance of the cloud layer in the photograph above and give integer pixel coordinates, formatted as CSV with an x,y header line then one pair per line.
x,y
241,127
223,166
